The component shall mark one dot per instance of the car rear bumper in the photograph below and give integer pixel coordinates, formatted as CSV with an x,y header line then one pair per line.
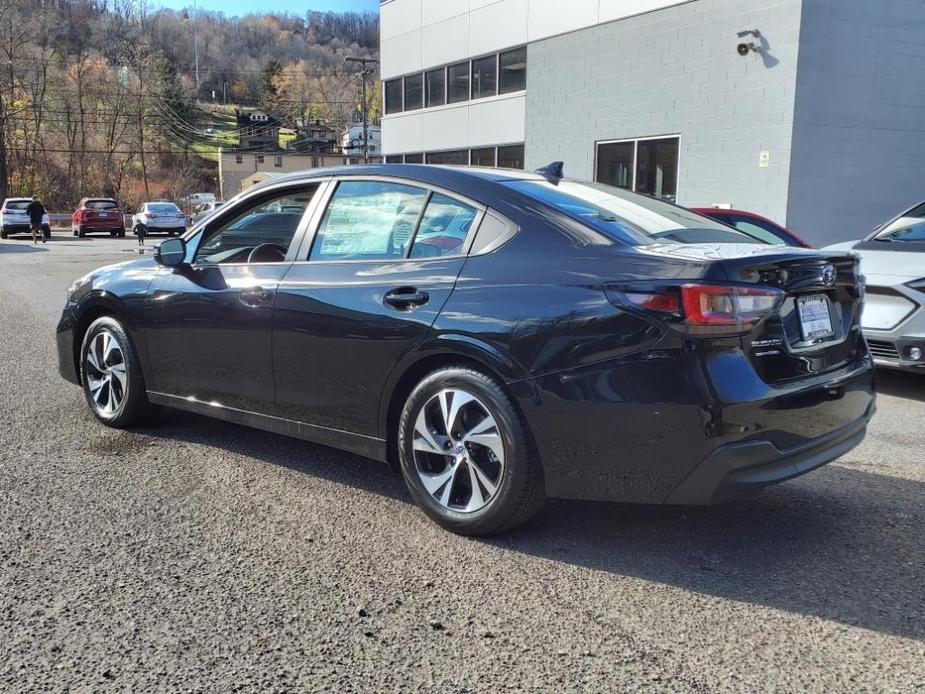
x,y
740,470
664,431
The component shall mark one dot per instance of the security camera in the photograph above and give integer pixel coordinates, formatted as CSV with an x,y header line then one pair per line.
x,y
745,48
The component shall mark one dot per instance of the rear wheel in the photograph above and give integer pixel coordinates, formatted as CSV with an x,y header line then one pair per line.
x,y
81,233
4,234
121,233
466,454
111,375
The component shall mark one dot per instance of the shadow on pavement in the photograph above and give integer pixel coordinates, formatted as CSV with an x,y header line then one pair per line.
x,y
901,384
21,246
840,544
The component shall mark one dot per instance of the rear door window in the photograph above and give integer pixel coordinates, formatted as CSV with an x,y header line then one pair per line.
x,y
443,228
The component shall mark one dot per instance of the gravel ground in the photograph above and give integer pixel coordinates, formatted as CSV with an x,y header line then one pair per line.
x,y
202,556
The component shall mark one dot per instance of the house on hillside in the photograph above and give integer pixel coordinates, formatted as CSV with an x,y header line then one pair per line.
x,y
352,140
258,130
314,137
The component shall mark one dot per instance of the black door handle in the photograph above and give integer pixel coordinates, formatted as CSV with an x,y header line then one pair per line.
x,y
255,296
406,298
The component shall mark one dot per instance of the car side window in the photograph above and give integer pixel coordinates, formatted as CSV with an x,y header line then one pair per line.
x,y
260,231
368,220
443,228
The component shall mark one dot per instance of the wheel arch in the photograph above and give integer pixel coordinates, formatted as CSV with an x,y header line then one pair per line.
x,y
91,309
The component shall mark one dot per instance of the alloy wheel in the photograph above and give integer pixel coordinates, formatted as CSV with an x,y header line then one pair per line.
x,y
458,451
106,373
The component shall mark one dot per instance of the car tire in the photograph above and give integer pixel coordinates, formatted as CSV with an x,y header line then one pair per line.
x,y
485,477
4,234
81,233
121,233
113,383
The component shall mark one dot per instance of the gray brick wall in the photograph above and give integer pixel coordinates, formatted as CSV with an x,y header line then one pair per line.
x,y
675,71
859,130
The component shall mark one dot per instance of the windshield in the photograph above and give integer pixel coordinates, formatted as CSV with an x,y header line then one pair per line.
x,y
630,217
164,208
910,229
100,204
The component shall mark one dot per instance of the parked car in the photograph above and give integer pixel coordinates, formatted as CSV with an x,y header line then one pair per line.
x,y
159,216
893,263
553,338
14,220
754,225
203,210
98,214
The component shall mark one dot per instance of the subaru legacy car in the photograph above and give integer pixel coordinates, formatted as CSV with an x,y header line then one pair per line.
x,y
498,337
893,264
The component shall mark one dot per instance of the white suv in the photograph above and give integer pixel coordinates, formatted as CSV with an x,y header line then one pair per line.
x,y
14,220
160,216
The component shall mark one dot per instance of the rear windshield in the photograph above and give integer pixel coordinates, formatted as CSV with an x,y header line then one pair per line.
x,y
18,204
101,204
630,217
165,207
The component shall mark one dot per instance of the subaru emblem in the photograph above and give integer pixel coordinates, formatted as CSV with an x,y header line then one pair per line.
x,y
828,276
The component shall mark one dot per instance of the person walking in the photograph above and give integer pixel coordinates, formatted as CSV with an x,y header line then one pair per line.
x,y
140,231
36,211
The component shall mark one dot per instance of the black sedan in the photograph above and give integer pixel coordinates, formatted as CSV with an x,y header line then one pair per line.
x,y
498,337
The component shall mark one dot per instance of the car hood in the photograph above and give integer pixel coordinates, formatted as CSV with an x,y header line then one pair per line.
x,y
888,266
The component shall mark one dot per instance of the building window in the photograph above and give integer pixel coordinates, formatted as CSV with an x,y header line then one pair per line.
x,y
393,96
238,158
648,166
278,161
457,88
485,77
513,76
414,158
260,159
414,92
484,156
393,159
511,157
435,87
457,157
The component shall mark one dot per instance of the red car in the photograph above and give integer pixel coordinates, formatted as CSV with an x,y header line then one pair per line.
x,y
754,225
98,214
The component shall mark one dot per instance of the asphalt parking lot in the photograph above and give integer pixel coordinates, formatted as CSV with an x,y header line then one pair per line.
x,y
202,556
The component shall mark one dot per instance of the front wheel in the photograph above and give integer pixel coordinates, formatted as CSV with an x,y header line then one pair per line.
x,y
466,454
110,372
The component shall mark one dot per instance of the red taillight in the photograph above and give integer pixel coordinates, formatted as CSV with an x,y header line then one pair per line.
x,y
727,310
706,309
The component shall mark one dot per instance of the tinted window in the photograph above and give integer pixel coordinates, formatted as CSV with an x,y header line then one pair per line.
x,y
18,204
100,204
163,207
484,77
368,220
457,157
393,159
511,157
414,92
513,70
414,158
615,163
393,96
657,168
270,222
457,88
435,87
483,157
634,219
443,228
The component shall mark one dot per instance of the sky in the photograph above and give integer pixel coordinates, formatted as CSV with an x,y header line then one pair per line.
x,y
298,7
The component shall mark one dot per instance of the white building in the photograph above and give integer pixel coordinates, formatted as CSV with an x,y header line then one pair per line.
x,y
807,111
352,140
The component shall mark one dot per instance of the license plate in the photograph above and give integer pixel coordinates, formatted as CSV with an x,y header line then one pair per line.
x,y
103,214
815,318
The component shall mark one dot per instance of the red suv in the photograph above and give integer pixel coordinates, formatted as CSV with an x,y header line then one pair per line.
x,y
98,214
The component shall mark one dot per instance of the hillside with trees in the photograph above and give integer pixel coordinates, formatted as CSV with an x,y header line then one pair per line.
x,y
113,97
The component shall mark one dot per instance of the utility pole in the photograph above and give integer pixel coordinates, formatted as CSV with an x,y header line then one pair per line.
x,y
196,47
365,70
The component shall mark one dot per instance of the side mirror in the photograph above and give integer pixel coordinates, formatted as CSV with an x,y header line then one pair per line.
x,y
171,252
